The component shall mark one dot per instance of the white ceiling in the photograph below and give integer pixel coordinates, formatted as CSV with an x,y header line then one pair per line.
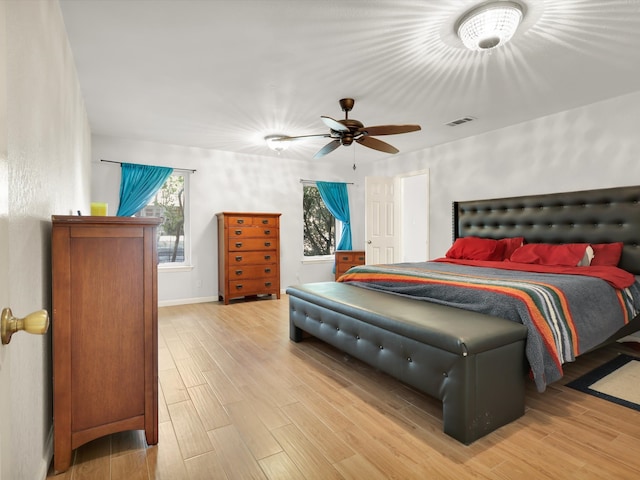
x,y
223,74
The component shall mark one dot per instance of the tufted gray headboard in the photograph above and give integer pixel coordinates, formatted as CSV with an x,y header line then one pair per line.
x,y
589,216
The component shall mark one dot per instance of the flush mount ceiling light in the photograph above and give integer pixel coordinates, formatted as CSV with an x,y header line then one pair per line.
x,y
489,25
275,144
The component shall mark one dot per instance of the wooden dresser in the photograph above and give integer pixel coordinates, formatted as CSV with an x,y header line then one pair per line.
x,y
105,331
248,254
345,259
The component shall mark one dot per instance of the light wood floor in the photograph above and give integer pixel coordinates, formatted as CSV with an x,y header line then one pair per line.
x,y
239,400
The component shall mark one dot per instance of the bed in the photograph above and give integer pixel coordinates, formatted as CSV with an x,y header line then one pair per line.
x,y
475,362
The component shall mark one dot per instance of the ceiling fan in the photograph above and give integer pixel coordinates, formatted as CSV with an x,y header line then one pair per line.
x,y
346,131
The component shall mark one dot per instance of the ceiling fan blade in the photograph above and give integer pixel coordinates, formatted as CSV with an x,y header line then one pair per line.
x,y
388,129
328,148
334,124
377,144
301,137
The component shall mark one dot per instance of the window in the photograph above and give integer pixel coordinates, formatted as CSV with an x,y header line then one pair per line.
x,y
169,203
319,225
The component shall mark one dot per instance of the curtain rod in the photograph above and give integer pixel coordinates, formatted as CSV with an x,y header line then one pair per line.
x,y
302,180
176,169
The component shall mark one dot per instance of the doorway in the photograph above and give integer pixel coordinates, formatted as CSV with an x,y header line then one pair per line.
x,y
397,218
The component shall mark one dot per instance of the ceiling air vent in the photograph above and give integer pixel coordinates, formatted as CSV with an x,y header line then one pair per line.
x,y
460,121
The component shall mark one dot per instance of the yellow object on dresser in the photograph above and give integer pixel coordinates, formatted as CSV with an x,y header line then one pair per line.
x,y
248,254
99,209
345,259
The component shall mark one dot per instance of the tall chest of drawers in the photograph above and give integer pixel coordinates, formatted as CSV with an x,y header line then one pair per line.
x,y
248,255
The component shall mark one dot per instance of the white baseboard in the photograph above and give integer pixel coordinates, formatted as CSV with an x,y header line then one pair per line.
x,y
186,301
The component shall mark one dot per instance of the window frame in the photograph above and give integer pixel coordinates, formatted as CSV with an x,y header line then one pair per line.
x,y
184,265
337,232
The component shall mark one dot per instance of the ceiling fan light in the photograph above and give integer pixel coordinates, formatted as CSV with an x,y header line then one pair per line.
x,y
489,25
275,143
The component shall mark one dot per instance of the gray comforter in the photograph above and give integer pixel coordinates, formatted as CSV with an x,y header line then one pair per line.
x,y
565,315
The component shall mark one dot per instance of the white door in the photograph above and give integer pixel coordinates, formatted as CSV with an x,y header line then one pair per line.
x,y
380,220
5,431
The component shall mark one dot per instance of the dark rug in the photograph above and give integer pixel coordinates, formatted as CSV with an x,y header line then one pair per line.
x,y
617,381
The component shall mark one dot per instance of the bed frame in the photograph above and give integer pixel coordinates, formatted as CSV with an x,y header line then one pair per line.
x,y
474,363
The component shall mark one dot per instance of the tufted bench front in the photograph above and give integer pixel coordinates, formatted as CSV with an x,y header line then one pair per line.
x,y
474,363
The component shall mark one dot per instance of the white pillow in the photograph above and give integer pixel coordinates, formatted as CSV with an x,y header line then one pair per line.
x,y
588,256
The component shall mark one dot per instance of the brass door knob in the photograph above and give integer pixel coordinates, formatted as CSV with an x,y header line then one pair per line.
x,y
36,323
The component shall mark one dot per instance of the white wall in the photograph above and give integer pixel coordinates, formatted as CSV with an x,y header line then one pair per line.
x,y
595,146
590,147
414,191
48,158
223,182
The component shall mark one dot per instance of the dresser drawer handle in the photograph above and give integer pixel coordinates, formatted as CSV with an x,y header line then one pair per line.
x,y
345,258
238,272
240,221
239,258
239,287
267,244
238,244
267,270
238,232
267,232
267,257
265,221
267,284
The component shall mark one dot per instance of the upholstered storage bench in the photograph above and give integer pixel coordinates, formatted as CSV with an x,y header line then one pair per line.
x,y
474,363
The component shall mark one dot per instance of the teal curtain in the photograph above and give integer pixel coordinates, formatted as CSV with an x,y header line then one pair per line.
x,y
138,185
335,197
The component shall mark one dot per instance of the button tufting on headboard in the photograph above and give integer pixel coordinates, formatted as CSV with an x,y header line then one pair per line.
x,y
596,216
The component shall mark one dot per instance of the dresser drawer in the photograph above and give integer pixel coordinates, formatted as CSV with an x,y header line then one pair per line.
x,y
252,232
244,244
265,221
243,220
252,258
340,269
355,258
251,287
253,272
239,220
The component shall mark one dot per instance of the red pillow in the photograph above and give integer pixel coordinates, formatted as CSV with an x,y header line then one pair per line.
x,y
510,245
568,254
606,254
476,248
